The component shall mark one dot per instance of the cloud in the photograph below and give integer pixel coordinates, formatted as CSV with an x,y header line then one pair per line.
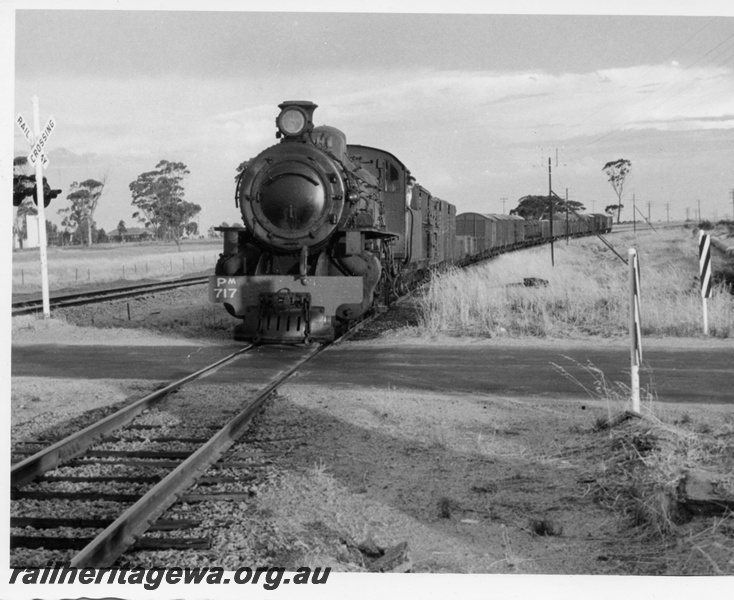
x,y
145,116
448,126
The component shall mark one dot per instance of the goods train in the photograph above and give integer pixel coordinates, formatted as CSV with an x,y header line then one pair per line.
x,y
332,229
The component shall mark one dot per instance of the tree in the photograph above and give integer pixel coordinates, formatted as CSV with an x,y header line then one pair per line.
x,y
102,236
192,228
158,196
121,230
212,231
612,208
26,207
617,171
84,197
25,183
537,207
20,165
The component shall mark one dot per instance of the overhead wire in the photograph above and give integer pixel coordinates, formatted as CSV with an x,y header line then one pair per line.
x,y
620,126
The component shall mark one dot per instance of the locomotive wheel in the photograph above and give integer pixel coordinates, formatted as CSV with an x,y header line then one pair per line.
x,y
399,287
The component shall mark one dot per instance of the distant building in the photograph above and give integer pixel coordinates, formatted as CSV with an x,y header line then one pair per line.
x,y
134,234
32,234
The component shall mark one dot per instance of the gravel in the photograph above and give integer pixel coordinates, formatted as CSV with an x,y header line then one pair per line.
x,y
191,412
336,467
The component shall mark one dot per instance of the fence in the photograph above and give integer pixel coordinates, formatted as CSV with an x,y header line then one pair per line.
x,y
66,273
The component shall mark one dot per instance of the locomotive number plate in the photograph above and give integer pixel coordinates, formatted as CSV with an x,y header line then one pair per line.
x,y
224,288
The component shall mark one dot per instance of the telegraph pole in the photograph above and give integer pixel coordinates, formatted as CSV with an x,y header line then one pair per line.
x,y
688,213
648,212
503,204
667,211
550,200
634,214
699,212
567,236
732,201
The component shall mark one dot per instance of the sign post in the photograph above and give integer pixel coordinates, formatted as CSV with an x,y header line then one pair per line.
x,y
704,262
38,159
635,330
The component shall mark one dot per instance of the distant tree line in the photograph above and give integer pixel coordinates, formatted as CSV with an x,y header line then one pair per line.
x,y
157,195
538,207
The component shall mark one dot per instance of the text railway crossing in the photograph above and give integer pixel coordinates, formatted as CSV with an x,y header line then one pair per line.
x,y
38,140
36,152
43,137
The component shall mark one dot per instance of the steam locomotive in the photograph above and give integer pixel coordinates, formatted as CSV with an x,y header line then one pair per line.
x,y
330,230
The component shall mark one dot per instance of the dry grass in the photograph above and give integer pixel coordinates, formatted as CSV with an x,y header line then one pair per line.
x,y
643,465
78,266
587,292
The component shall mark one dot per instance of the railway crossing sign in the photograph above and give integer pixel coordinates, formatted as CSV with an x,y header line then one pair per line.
x,y
38,138
37,145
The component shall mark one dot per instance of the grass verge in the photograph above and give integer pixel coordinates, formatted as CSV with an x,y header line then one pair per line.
x,y
586,292
645,462
103,263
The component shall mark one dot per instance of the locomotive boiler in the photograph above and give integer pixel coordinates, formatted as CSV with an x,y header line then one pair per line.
x,y
328,232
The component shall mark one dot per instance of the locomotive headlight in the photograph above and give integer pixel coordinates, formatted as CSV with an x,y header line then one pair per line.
x,y
292,121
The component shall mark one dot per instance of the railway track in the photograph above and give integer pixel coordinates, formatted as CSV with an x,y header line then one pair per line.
x,y
145,483
25,307
145,495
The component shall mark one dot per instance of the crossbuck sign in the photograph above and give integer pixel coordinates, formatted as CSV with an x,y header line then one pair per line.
x,y
38,138
36,145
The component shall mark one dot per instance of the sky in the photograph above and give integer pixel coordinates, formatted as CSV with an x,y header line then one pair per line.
x,y
474,97
473,103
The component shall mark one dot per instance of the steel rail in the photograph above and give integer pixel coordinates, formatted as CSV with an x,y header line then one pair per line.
x,y
28,469
89,297
103,550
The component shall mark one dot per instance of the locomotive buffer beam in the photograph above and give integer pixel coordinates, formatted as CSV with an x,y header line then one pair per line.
x,y
285,308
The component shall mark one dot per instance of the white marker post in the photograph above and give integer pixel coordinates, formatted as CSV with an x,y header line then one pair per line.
x,y
635,331
36,158
704,263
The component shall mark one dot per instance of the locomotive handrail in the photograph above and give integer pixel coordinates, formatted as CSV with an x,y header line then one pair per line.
x,y
274,178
